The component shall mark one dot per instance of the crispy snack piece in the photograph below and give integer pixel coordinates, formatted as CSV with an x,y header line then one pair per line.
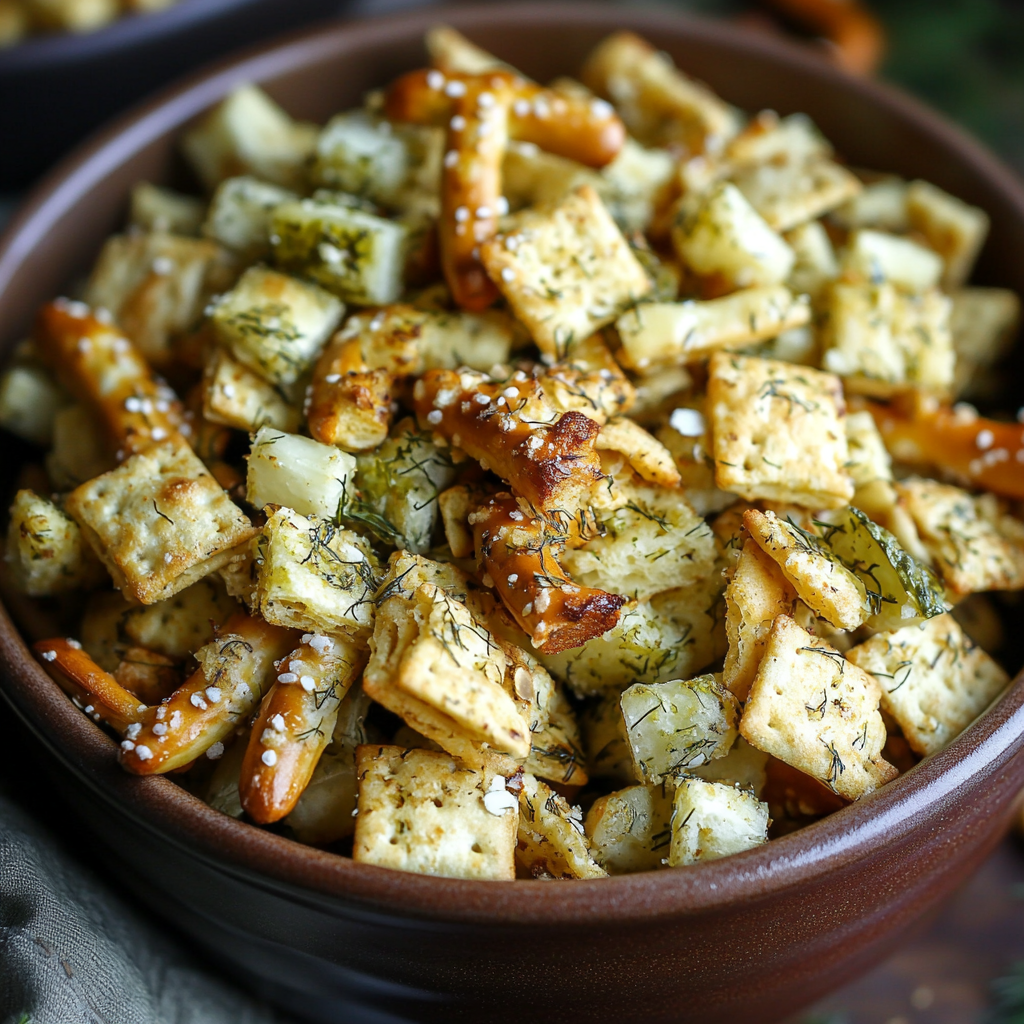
x,y
755,596
935,680
236,669
552,842
519,553
871,257
678,725
659,103
440,670
159,522
148,675
235,396
547,457
648,457
779,431
814,710
982,453
712,820
295,724
953,228
106,372
820,579
667,333
97,692
976,545
630,830
566,270
422,811
984,323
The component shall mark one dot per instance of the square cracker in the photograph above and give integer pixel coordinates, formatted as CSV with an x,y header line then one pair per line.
x,y
816,711
935,680
975,545
422,811
159,521
566,270
778,431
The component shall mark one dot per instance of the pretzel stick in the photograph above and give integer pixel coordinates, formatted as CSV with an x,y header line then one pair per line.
x,y
545,456
983,453
100,694
103,369
519,553
235,670
295,724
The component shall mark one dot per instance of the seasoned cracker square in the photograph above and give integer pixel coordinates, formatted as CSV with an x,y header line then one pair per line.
x,y
935,680
778,431
816,711
159,521
552,843
566,271
975,544
422,811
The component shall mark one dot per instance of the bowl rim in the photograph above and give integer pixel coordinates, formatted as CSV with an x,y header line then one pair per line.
x,y
61,49
306,873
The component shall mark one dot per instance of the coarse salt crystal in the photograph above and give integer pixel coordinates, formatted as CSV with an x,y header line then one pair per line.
x,y
278,722
215,751
143,753
269,758
498,799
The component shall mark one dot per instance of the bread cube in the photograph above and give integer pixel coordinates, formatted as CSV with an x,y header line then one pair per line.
x,y
744,767
159,522
664,333
236,397
659,104
983,322
315,576
629,830
565,270
655,543
533,177
675,725
769,139
954,229
29,402
875,257
275,324
882,341
248,133
881,205
356,255
552,842
755,596
815,264
155,287
399,483
298,473
362,154
633,183
974,544
778,431
935,680
787,194
46,553
711,820
240,212
674,635
718,233
422,811
162,210
816,711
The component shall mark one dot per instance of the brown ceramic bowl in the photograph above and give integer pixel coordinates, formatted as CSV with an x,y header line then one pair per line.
x,y
750,938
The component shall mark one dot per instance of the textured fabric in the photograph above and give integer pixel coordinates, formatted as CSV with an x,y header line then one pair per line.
x,y
72,952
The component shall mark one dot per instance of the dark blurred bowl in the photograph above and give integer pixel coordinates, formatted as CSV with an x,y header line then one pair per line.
x,y
55,89
751,938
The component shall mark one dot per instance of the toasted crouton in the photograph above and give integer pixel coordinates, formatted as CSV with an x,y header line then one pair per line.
x,y
566,271
421,811
935,680
814,710
236,397
712,820
630,830
778,431
953,228
874,257
552,842
159,522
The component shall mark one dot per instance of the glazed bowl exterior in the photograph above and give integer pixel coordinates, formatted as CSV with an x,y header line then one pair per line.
x,y
69,84
749,938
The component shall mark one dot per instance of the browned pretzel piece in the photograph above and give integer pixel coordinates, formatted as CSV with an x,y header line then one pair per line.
x,y
545,456
105,371
480,114
295,724
520,554
234,672
101,696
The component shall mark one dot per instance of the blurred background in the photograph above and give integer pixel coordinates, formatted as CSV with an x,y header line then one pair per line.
x,y
965,57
